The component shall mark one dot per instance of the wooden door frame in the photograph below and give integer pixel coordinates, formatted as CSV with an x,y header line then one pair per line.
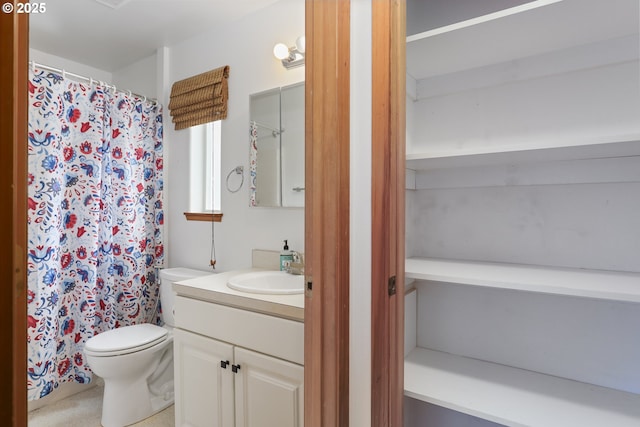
x,y
388,211
14,48
327,241
327,121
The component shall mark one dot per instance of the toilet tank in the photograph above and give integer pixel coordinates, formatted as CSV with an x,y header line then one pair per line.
x,y
167,296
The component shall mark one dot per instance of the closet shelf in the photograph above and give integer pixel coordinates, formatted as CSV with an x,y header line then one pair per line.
x,y
514,397
595,148
606,285
533,28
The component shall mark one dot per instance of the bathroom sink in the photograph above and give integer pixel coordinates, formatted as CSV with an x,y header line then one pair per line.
x,y
268,282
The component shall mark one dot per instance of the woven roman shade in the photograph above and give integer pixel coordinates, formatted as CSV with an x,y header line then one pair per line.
x,y
200,99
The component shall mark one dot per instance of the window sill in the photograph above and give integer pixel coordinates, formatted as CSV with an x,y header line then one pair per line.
x,y
204,216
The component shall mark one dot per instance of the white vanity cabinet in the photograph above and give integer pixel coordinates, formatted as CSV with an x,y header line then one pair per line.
x,y
235,367
523,188
204,391
269,391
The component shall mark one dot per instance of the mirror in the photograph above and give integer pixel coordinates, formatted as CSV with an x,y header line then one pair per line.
x,y
277,147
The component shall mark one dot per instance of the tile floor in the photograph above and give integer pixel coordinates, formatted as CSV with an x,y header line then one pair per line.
x,y
84,410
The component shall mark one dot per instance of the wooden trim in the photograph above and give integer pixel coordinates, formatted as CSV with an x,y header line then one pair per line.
x,y
398,137
327,213
14,36
388,218
380,212
200,216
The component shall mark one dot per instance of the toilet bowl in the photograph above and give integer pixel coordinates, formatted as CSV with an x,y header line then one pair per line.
x,y
136,362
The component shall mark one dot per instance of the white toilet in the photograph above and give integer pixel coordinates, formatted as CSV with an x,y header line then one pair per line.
x,y
136,362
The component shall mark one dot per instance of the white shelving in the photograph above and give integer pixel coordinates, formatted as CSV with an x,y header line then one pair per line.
x,y
514,397
533,28
549,151
608,285
523,128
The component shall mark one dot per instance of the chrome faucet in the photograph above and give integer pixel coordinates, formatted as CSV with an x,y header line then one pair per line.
x,y
296,267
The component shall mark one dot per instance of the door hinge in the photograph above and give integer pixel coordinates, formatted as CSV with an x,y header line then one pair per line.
x,y
308,287
392,285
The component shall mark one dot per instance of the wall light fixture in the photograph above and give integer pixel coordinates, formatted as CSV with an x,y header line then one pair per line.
x,y
293,56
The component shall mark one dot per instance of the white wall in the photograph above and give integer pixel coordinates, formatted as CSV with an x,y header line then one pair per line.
x,y
581,226
246,46
360,216
572,107
139,77
54,61
421,414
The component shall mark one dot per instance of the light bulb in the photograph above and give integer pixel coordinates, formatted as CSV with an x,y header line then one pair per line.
x,y
300,44
281,51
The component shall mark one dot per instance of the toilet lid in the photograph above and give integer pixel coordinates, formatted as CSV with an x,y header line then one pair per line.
x,y
126,339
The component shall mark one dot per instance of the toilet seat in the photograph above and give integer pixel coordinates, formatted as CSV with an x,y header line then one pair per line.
x,y
125,340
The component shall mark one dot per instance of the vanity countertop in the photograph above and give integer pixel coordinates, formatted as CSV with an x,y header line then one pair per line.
x,y
213,288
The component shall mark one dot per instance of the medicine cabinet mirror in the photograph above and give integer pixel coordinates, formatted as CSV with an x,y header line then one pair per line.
x,y
277,147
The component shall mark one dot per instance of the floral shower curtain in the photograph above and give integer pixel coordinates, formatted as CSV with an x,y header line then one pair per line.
x,y
94,221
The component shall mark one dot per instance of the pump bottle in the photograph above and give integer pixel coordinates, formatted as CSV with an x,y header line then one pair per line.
x,y
286,257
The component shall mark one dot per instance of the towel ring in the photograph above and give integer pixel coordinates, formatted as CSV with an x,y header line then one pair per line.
x,y
240,171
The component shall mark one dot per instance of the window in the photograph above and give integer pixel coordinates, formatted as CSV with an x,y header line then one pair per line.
x,y
204,172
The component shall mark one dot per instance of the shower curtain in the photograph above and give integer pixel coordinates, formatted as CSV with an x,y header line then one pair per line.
x,y
94,221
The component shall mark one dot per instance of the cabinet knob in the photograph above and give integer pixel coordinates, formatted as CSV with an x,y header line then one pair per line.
x,y
235,368
224,363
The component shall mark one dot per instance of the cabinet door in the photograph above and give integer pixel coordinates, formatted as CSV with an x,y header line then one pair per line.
x,y
269,391
203,389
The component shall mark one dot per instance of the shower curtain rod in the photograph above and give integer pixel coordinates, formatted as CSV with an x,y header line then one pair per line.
x,y
91,81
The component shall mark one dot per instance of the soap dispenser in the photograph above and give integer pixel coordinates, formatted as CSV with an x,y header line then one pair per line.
x,y
286,257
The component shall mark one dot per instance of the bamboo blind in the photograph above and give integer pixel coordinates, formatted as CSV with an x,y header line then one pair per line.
x,y
200,99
